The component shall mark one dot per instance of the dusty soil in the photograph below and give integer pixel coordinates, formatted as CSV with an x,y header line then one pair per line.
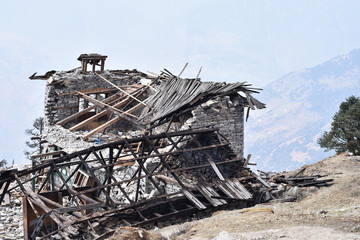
x,y
130,233
326,213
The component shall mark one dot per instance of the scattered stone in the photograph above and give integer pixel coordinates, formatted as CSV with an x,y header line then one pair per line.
x,y
130,233
223,235
11,220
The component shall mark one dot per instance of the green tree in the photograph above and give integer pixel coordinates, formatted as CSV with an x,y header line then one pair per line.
x,y
344,135
34,144
3,163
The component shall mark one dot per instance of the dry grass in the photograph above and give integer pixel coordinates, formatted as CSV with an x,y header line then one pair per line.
x,y
179,231
336,207
130,233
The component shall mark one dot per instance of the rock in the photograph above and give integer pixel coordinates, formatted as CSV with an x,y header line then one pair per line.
x,y
130,233
11,225
17,202
57,236
223,235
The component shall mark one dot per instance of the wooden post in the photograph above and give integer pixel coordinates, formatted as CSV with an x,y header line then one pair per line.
x,y
102,65
85,65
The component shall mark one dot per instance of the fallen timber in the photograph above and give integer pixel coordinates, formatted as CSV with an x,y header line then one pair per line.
x,y
83,211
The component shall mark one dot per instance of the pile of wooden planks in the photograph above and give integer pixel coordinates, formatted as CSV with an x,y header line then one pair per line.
x,y
304,181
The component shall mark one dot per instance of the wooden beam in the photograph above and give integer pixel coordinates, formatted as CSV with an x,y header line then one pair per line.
x,y
261,180
91,172
56,217
4,191
102,65
107,100
102,162
88,120
184,189
183,69
247,160
103,90
169,153
170,180
93,68
121,89
141,166
109,123
102,127
102,104
45,180
89,91
82,112
99,115
161,76
210,159
46,154
71,191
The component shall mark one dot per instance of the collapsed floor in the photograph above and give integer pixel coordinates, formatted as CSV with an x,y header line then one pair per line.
x,y
117,152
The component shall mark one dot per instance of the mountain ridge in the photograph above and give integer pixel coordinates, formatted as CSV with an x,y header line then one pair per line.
x,y
300,106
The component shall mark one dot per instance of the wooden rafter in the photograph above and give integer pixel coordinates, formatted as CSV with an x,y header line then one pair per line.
x,y
103,90
102,104
110,122
102,113
88,109
126,93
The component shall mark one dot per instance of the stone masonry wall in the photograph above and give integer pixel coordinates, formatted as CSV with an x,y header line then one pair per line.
x,y
225,113
59,107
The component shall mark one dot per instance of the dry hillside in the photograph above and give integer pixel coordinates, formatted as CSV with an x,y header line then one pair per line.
x,y
324,213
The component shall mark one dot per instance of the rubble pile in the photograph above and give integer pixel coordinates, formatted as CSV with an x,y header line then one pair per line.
x,y
11,215
11,225
287,187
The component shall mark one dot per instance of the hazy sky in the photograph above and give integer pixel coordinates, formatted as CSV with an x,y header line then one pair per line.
x,y
254,41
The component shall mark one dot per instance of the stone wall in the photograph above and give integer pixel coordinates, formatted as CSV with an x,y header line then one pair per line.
x,y
225,113
59,107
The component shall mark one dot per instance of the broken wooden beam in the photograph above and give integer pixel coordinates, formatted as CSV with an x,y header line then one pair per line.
x,y
102,104
47,154
121,89
88,109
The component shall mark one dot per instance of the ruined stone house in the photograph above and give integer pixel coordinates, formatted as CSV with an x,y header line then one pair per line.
x,y
131,148
197,106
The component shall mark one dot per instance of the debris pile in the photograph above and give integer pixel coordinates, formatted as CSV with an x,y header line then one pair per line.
x,y
11,217
286,187
11,224
303,181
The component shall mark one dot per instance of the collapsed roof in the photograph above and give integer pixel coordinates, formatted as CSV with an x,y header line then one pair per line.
x,y
176,93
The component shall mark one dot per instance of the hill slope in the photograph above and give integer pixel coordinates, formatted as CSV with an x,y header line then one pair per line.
x,y
327,213
300,106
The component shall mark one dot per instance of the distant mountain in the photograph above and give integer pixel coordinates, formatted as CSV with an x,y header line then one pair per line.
x,y
300,106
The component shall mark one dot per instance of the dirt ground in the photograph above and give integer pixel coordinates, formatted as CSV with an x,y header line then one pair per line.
x,y
326,213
